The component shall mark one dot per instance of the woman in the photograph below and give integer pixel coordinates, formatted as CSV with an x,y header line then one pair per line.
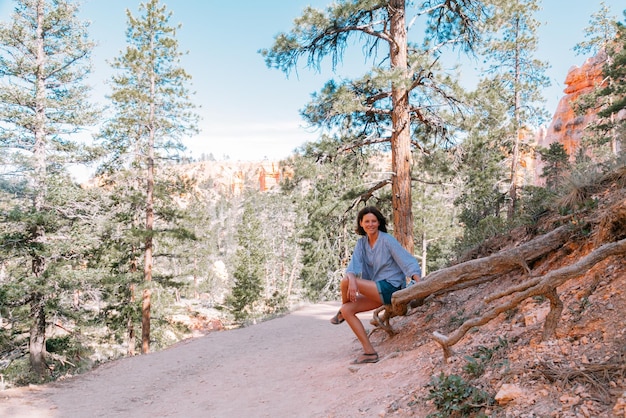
x,y
379,266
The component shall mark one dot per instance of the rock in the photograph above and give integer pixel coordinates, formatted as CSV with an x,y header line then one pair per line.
x,y
569,401
535,315
620,406
567,127
508,393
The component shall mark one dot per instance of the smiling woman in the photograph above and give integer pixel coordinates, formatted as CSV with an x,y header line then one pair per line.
x,y
379,266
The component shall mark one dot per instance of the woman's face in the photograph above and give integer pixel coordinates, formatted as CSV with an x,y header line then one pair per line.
x,y
370,223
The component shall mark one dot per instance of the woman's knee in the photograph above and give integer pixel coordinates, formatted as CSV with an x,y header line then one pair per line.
x,y
344,282
347,309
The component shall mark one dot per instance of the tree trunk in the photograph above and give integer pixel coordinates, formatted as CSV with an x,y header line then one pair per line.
x,y
424,252
401,135
146,303
293,274
196,294
147,272
131,324
37,341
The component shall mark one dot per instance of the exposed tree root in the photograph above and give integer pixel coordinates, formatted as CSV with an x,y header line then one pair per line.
x,y
545,285
383,322
467,274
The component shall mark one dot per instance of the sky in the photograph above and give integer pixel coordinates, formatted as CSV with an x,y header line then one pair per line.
x,y
251,112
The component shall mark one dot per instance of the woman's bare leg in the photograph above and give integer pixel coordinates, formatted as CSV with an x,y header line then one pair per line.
x,y
367,300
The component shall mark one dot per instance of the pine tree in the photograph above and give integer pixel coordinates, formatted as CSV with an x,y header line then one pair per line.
x,y
556,165
482,170
520,76
603,39
44,60
153,112
250,260
394,107
611,97
601,32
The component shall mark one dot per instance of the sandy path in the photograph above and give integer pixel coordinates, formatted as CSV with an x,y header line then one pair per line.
x,y
294,366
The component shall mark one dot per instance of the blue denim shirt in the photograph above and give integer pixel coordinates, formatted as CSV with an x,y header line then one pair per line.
x,y
388,260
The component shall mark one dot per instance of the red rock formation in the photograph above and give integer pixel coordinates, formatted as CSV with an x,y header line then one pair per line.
x,y
567,127
262,176
269,175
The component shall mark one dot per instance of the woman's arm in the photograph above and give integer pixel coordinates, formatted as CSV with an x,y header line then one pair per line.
x,y
408,264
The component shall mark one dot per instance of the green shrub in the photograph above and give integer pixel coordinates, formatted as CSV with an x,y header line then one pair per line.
x,y
454,397
476,363
474,368
67,356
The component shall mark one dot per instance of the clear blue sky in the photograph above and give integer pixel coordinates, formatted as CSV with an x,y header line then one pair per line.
x,y
249,111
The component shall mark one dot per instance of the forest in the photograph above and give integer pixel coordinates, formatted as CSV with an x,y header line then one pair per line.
x,y
156,247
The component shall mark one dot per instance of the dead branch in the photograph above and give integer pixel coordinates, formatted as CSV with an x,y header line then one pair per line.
x,y
360,144
545,286
598,376
8,357
365,196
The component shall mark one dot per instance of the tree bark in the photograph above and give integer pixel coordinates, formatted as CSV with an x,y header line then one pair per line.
x,y
148,261
130,324
401,135
37,341
424,251
147,276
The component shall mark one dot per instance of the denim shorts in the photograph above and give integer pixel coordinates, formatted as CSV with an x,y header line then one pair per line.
x,y
385,290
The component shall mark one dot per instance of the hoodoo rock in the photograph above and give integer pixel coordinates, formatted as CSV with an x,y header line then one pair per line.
x,y
567,127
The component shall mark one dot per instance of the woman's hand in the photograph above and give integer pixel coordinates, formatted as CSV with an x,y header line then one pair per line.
x,y
353,289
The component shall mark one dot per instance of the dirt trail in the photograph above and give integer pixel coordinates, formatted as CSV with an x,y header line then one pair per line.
x,y
294,366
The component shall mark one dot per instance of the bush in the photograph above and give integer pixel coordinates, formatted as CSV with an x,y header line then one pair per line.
x,y
477,362
453,396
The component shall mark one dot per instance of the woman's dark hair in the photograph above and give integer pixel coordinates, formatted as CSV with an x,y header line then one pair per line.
x,y
382,222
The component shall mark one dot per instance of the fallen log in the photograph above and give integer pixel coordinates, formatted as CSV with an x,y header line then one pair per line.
x,y
496,264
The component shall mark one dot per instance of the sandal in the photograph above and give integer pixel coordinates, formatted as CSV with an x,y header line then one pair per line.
x,y
366,358
335,320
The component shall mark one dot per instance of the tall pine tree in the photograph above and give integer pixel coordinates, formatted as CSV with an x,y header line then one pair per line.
x,y
608,100
520,77
44,60
397,105
153,113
